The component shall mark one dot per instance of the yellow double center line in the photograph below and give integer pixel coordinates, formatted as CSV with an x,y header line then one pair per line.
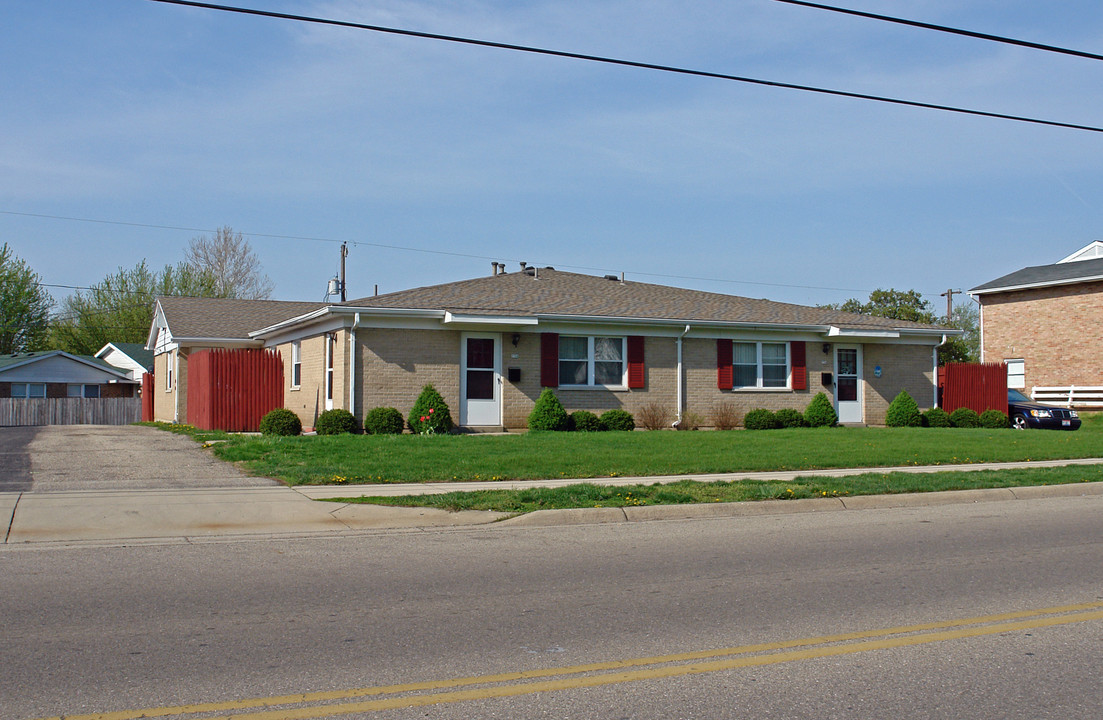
x,y
480,687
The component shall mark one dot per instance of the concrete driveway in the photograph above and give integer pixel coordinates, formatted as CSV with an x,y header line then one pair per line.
x,y
64,458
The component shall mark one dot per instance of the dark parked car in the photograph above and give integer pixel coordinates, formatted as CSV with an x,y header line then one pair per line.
x,y
1025,413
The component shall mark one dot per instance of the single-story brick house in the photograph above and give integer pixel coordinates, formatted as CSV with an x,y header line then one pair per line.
x,y
1043,322
491,344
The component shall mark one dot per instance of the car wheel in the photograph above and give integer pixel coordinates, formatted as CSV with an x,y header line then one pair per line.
x,y
1019,422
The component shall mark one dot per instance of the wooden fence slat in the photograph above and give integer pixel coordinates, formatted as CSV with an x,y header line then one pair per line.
x,y
69,411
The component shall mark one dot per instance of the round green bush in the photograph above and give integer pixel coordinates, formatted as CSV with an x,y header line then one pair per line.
x,y
621,420
964,418
903,412
820,412
585,421
790,418
384,421
936,418
760,419
335,422
430,414
994,420
548,413
281,421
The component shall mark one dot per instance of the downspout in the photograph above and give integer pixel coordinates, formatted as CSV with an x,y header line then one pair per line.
x,y
934,369
352,363
681,380
176,385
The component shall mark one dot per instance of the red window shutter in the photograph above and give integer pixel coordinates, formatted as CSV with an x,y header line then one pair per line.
x,y
799,365
549,359
724,376
636,374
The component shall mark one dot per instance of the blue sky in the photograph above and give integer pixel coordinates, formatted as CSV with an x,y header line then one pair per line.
x,y
433,159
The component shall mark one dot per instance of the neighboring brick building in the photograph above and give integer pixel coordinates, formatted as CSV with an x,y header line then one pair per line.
x,y
490,345
1043,322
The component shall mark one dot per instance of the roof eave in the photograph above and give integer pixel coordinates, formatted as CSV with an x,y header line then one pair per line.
x,y
1029,286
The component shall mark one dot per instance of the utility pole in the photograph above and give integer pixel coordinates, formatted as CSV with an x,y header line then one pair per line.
x,y
949,295
344,254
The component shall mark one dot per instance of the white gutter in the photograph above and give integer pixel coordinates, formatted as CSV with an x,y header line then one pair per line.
x,y
1044,283
681,378
352,363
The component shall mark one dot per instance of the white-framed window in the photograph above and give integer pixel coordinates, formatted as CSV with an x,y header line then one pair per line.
x,y
28,390
1016,374
168,372
296,363
86,391
760,364
592,361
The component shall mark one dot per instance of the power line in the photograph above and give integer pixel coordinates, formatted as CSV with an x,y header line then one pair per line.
x,y
405,248
630,63
947,29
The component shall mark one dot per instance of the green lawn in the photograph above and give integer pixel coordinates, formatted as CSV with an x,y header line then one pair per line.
x,y
411,458
689,491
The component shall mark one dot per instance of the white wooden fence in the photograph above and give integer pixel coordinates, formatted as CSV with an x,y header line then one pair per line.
x,y
70,411
1070,396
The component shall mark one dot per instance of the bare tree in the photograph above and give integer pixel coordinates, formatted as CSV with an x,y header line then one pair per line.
x,y
231,262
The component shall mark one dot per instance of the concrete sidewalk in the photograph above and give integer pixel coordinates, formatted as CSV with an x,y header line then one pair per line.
x,y
207,514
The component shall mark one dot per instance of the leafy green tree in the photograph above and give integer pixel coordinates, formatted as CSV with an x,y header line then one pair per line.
x,y
119,308
24,306
895,304
966,348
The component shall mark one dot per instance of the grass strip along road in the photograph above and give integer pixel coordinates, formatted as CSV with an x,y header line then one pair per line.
x,y
543,455
509,684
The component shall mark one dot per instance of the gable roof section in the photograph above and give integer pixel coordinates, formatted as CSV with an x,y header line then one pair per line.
x,y
10,362
558,294
135,351
197,319
1063,273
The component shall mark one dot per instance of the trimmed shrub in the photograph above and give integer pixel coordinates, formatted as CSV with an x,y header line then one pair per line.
x,y
585,421
724,416
548,413
760,419
903,412
281,421
384,421
653,416
936,417
994,420
335,422
790,418
621,420
964,418
430,414
820,412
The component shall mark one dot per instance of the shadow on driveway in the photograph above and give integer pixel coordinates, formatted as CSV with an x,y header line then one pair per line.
x,y
15,458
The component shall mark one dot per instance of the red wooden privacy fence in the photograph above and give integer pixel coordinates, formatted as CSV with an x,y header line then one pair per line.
x,y
978,386
233,389
147,397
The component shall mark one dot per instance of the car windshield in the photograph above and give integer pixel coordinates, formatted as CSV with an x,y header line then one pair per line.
x,y
1016,396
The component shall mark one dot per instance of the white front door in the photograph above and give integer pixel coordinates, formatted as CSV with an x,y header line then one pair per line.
x,y
481,380
848,383
330,341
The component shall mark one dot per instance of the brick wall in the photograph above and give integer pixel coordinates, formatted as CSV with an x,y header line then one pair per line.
x,y
162,399
903,367
1054,330
309,398
393,366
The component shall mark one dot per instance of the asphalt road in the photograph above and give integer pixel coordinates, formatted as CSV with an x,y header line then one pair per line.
x,y
60,458
124,628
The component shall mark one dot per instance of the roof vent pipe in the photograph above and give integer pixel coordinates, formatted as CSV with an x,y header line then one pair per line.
x,y
523,265
622,276
494,265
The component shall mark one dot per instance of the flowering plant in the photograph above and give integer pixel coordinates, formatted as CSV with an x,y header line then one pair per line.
x,y
430,415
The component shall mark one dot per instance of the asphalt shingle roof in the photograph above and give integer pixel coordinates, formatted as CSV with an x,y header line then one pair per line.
x,y
553,292
227,318
136,352
1056,274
